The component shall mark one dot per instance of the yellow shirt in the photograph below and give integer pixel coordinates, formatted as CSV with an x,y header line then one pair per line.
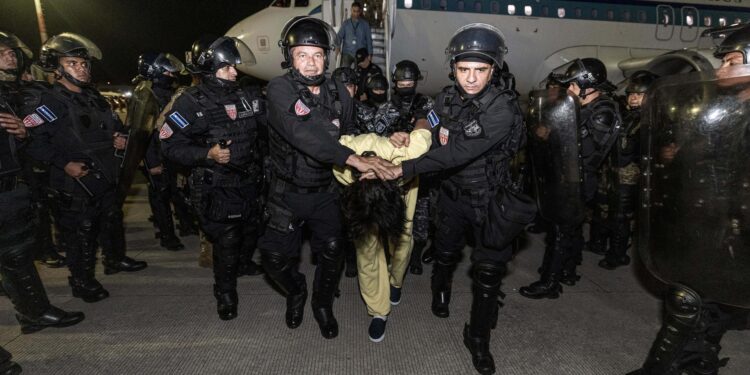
x,y
419,143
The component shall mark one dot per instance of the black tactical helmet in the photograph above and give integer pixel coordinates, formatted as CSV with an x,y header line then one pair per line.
x,y
738,41
67,45
306,31
377,82
477,40
23,53
198,47
640,81
153,65
406,70
587,73
222,52
361,54
345,75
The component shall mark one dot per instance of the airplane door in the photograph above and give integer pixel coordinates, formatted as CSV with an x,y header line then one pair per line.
x,y
689,28
664,22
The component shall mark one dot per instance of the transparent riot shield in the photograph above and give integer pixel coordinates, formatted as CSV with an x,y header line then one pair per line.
x,y
143,109
552,120
694,224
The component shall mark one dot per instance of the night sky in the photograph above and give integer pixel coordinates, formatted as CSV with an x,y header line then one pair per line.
x,y
123,29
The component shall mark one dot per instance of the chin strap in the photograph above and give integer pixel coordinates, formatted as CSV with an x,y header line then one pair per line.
x,y
307,81
62,73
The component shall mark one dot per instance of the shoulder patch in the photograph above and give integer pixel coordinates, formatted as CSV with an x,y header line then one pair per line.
x,y
177,118
300,109
473,129
33,120
433,118
165,132
443,136
45,112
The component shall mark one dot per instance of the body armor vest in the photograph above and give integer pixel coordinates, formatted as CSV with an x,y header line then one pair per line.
x,y
231,117
291,165
86,137
600,128
9,165
406,106
625,154
492,168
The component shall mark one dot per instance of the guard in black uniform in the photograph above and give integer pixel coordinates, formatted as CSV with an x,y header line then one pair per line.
x,y
213,127
623,172
157,73
477,129
35,173
306,114
20,279
692,221
77,132
364,70
599,127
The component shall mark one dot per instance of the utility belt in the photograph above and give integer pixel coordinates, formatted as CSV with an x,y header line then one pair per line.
x,y
478,196
67,201
221,179
279,186
9,183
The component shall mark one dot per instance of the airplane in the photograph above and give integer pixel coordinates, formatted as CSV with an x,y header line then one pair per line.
x,y
661,36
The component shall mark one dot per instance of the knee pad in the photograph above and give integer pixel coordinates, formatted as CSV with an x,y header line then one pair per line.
x,y
683,304
232,237
274,262
447,258
488,275
332,250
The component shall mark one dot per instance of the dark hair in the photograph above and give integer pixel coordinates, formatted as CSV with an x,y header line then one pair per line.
x,y
357,4
374,206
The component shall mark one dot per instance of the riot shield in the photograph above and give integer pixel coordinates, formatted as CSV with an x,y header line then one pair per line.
x,y
694,224
552,120
143,110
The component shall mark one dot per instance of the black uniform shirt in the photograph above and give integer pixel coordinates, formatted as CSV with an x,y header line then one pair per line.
x,y
454,149
47,117
307,130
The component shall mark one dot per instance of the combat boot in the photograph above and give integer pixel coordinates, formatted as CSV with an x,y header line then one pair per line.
x,y
487,277
171,243
442,280
226,303
326,285
7,366
548,287
282,271
82,280
226,265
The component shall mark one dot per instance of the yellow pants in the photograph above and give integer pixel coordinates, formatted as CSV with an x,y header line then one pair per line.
x,y
374,276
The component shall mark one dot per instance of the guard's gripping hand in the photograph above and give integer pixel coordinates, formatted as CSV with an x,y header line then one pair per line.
x,y
76,169
219,154
399,139
119,141
13,125
374,164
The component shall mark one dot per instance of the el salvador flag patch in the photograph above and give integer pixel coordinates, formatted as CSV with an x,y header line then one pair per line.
x,y
46,113
177,118
433,118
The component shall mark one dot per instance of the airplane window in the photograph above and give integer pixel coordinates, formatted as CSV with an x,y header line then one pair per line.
x,y
301,3
579,13
408,4
722,21
594,13
527,10
511,9
478,6
642,16
443,4
545,11
610,14
707,21
495,7
561,12
665,19
626,16
426,4
282,3
689,20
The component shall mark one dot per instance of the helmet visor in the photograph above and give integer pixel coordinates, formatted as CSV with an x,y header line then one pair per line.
x,y
69,44
11,41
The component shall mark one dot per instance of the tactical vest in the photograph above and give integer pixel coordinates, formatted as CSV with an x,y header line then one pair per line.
x,y
406,108
598,138
492,168
231,117
86,137
9,165
295,167
625,155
